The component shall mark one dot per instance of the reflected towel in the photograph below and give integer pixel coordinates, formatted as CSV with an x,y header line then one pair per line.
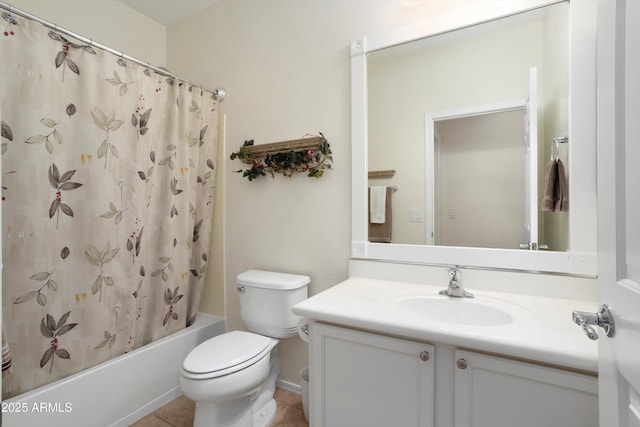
x,y
381,233
555,188
377,204
561,199
550,176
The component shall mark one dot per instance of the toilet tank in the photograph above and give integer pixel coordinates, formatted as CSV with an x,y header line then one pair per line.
x,y
266,299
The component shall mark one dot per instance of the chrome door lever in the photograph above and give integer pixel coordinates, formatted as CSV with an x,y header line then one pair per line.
x,y
602,319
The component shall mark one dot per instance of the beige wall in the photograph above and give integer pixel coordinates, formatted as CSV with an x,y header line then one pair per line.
x,y
286,67
554,226
107,22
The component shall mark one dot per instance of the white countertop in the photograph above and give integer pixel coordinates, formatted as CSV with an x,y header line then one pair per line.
x,y
542,329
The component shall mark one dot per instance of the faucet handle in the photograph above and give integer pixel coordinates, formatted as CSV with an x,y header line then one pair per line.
x,y
455,288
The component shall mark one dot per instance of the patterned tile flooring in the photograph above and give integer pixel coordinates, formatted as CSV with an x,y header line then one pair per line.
x,y
179,412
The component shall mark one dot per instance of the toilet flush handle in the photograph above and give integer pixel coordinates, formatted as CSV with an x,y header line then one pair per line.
x,y
240,289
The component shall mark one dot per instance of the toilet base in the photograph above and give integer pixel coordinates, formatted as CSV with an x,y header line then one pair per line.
x,y
264,407
256,409
262,417
229,413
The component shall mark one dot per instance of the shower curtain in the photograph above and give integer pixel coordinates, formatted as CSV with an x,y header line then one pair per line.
x,y
107,199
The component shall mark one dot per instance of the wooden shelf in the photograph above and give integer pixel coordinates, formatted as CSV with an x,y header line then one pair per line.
x,y
303,144
382,174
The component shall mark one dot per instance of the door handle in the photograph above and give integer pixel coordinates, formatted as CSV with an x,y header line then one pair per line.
x,y
603,319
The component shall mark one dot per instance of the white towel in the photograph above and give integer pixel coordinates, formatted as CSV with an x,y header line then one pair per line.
x,y
377,204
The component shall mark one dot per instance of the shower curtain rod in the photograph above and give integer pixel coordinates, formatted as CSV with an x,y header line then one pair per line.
x,y
218,94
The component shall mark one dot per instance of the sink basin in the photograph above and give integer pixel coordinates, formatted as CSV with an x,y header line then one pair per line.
x,y
483,311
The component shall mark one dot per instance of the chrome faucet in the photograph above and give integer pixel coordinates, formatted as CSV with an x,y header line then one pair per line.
x,y
455,288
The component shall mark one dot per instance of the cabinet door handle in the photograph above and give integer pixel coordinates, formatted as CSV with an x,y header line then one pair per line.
x,y
461,364
425,356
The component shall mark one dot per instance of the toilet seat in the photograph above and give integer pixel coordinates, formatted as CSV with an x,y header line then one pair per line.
x,y
225,354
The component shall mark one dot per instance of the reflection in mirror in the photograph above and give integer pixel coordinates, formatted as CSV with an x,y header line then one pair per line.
x,y
475,190
479,181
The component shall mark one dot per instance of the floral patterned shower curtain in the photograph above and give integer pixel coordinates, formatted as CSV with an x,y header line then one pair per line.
x,y
107,199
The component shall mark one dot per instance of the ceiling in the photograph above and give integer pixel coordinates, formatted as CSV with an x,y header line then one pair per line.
x,y
168,12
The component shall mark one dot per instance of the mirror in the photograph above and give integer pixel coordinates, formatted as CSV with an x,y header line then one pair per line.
x,y
477,181
425,103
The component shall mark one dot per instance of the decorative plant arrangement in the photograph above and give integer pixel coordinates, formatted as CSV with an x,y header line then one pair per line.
x,y
310,155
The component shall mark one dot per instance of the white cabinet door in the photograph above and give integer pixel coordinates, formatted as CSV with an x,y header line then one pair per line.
x,y
361,379
496,392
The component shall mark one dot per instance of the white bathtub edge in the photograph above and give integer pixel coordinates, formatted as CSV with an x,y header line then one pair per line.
x,y
117,392
149,408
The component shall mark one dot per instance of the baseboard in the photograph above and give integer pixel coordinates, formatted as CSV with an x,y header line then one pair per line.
x,y
286,385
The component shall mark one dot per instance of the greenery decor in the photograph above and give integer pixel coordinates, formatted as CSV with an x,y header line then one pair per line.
x,y
310,155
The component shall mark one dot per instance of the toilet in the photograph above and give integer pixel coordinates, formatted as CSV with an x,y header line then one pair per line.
x,y
232,377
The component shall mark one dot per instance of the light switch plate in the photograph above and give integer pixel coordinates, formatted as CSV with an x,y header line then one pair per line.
x,y
415,215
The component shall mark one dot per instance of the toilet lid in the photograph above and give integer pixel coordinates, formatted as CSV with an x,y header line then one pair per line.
x,y
225,351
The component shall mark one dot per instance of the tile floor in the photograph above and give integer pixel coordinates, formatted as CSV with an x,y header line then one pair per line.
x,y
179,413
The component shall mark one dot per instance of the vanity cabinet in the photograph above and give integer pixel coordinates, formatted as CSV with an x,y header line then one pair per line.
x,y
364,379
494,391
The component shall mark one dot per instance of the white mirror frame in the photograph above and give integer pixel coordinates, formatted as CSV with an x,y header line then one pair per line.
x,y
581,257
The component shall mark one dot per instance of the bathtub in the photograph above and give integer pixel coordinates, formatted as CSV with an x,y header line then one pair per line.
x,y
117,392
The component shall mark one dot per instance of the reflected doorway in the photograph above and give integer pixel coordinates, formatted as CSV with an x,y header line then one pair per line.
x,y
480,180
